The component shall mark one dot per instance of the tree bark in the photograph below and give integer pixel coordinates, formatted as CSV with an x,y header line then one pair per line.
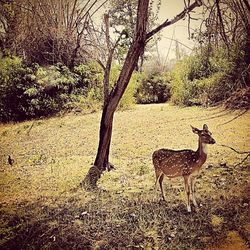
x,y
110,106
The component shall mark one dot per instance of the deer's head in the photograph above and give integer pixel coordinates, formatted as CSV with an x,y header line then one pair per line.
x,y
204,134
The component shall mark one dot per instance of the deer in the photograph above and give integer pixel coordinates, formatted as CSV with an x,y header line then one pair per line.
x,y
186,163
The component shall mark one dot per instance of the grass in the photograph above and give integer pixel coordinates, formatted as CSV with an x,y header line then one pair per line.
x,y
43,208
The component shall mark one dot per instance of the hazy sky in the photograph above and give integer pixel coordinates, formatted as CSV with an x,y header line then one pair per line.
x,y
168,10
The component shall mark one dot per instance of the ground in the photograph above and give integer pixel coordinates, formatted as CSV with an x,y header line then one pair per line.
x,y
42,206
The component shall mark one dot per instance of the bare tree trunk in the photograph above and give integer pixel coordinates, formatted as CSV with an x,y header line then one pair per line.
x,y
131,60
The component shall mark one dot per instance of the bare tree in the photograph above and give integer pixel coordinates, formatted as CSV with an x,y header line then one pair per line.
x,y
47,32
141,37
225,22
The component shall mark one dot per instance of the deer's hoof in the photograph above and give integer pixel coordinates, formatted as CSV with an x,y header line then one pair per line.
x,y
195,204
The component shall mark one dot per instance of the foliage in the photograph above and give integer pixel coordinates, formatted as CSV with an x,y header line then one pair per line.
x,y
153,88
225,38
123,20
18,90
207,78
128,99
30,91
90,78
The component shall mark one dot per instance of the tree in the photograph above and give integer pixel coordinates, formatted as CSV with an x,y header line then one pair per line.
x,y
141,37
225,23
225,29
46,32
123,20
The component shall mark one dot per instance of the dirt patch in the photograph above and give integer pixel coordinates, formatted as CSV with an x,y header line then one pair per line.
x,y
233,241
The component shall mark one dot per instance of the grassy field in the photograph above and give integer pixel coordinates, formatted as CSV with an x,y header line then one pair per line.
x,y
43,208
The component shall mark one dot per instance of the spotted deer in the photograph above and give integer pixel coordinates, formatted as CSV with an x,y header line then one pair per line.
x,y
186,163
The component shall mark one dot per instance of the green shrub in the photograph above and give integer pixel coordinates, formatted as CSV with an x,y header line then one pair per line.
x,y
90,79
203,79
153,88
128,99
31,91
18,89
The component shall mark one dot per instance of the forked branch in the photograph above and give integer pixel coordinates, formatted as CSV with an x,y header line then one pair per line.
x,y
238,152
181,15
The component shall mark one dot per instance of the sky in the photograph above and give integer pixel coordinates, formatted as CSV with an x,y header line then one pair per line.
x,y
179,31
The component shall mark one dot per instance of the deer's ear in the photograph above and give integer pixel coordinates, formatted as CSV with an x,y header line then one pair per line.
x,y
205,127
195,130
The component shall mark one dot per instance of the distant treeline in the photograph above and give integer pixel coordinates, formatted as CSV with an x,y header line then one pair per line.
x,y
31,91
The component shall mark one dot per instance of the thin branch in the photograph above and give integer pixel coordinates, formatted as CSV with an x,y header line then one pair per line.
x,y
239,115
242,160
170,45
222,27
98,8
247,4
181,15
172,39
236,151
72,13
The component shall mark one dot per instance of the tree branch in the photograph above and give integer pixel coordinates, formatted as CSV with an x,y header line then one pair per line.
x,y
236,151
247,5
222,28
181,15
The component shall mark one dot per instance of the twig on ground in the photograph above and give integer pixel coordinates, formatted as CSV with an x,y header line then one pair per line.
x,y
239,115
238,152
28,132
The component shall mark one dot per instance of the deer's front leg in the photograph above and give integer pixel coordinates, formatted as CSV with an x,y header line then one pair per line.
x,y
193,180
187,188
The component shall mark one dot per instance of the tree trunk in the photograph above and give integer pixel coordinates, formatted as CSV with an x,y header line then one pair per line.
x,y
110,106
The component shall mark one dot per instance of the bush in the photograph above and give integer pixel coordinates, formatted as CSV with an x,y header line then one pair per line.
x,y
128,99
29,91
153,88
204,79
18,90
90,79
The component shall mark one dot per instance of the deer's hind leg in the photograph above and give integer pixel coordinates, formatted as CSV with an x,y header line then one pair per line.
x,y
160,181
159,178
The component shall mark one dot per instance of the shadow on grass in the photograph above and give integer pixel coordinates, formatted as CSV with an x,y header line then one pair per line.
x,y
111,221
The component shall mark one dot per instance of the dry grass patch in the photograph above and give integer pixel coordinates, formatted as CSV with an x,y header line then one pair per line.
x,y
41,207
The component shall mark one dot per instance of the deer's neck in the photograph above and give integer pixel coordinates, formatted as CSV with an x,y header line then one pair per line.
x,y
202,151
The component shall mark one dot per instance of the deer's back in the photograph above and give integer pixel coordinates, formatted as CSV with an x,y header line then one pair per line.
x,y
175,162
